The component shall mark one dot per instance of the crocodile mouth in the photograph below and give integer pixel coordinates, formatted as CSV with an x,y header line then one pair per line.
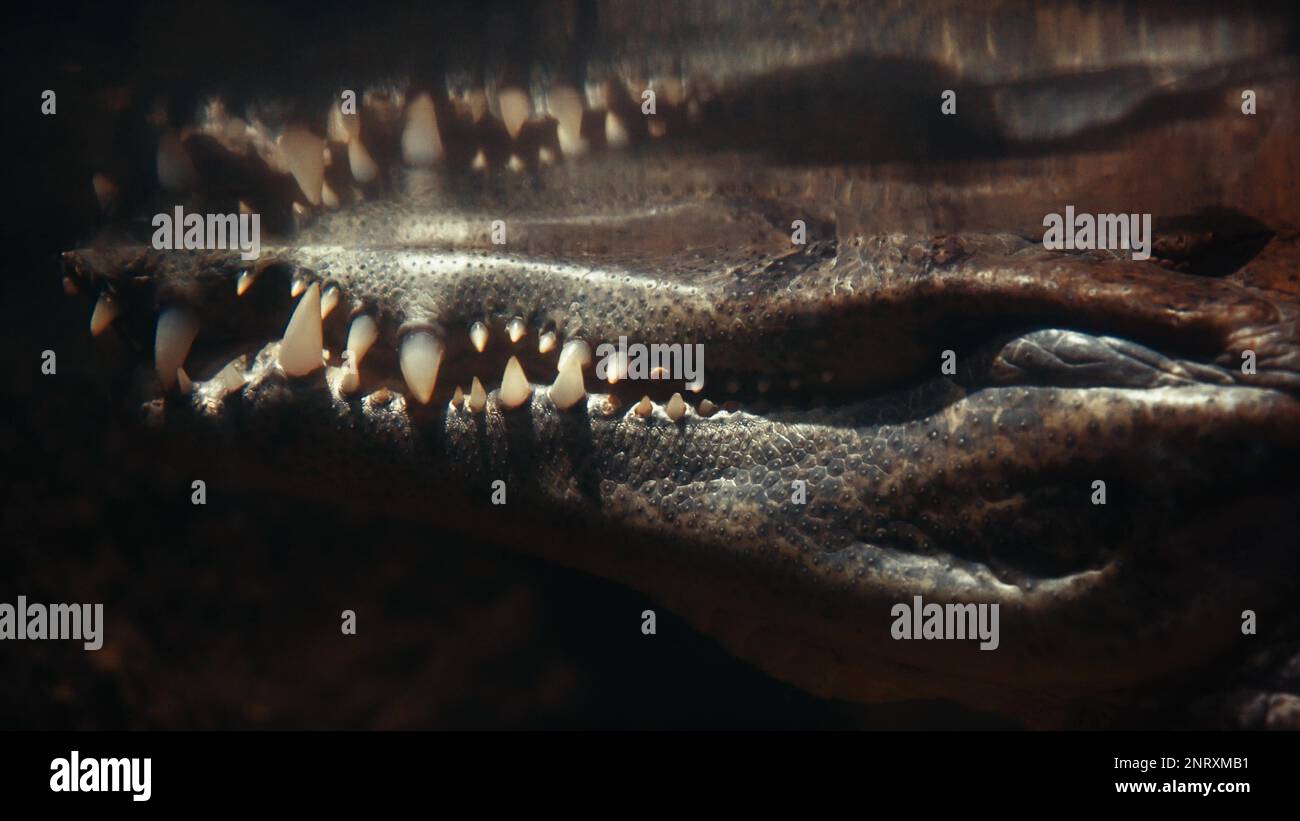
x,y
897,390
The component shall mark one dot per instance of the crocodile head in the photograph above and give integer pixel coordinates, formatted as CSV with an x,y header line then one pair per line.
x,y
900,392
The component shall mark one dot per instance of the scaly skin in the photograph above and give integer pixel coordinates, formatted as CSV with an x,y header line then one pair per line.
x,y
971,487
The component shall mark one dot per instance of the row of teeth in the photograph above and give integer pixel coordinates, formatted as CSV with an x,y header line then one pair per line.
x,y
302,352
300,152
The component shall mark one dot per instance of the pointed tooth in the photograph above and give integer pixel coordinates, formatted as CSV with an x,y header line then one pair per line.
x,y
304,156
565,104
546,342
231,378
364,169
616,369
572,348
421,356
300,350
458,397
478,335
545,155
644,408
106,310
707,408
328,197
362,333
350,382
515,389
479,163
244,283
615,131
477,397
183,382
676,407
515,164
297,287
515,109
516,329
329,301
421,143
568,389
177,327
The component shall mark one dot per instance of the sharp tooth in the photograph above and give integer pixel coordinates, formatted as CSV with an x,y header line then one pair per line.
x,y
245,282
175,169
421,143
657,128
515,164
177,328
300,350
566,106
297,287
644,408
183,381
328,196
545,156
479,163
421,357
363,167
361,335
329,301
707,408
676,407
615,132
477,397
350,382
231,378
515,389
546,342
106,310
516,329
572,348
304,155
478,335
458,398
568,389
514,109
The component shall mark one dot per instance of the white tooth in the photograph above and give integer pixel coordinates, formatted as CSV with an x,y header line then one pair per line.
x,y
616,369
421,357
177,328
568,389
545,156
300,350
515,389
183,382
478,335
657,128
329,301
644,408
421,143
707,408
304,156
515,164
175,169
231,378
676,407
566,106
245,282
514,109
546,342
106,310
361,335
572,348
363,167
477,397
350,382
297,287
105,190
479,163
341,128
458,398
328,197
516,329
615,132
